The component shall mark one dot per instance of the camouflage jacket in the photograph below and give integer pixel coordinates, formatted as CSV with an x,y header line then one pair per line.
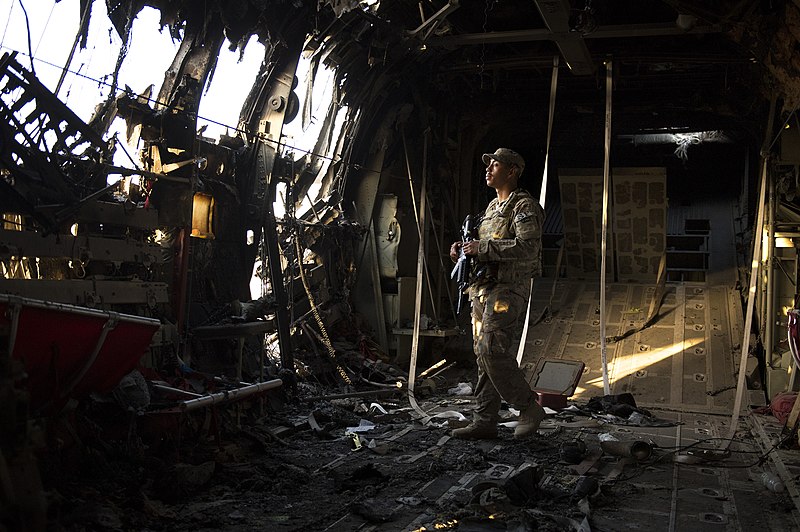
x,y
510,243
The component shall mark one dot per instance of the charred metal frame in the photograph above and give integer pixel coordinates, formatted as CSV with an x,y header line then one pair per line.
x,y
52,154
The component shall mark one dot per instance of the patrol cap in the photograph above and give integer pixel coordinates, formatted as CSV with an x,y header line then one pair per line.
x,y
504,155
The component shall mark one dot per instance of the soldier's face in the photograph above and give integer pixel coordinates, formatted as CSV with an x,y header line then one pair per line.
x,y
498,174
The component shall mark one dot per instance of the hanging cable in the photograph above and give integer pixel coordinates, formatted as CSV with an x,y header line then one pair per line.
x,y
481,68
122,146
28,35
417,214
793,335
8,21
64,71
44,30
326,341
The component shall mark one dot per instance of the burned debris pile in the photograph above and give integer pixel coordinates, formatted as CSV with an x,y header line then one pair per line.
x,y
353,460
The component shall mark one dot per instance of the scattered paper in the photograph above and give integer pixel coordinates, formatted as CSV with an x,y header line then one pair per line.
x,y
376,407
450,414
363,426
607,436
463,388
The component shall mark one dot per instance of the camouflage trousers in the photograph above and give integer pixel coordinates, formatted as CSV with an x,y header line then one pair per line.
x,y
498,317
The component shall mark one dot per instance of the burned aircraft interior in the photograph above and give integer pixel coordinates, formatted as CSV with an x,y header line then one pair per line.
x,y
240,330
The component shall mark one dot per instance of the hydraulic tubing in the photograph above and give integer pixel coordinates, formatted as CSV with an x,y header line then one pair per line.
x,y
229,395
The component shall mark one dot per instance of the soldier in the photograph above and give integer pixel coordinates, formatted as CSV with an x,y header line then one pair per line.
x,y
506,254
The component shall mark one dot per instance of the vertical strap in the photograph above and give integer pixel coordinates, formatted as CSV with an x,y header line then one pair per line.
x,y
15,307
542,196
412,369
604,236
553,87
110,325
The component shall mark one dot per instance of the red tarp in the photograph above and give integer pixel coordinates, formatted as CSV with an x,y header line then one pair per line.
x,y
56,342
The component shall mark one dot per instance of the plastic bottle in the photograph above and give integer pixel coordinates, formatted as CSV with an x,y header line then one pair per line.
x,y
772,482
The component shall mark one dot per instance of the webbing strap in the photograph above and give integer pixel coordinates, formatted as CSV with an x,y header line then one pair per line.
x,y
542,195
604,237
553,86
412,369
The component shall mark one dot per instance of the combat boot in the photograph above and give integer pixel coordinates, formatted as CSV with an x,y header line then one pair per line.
x,y
476,431
529,419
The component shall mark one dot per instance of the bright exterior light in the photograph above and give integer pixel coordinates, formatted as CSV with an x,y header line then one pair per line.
x,y
203,216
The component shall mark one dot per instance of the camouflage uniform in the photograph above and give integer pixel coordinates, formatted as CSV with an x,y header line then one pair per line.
x,y
509,256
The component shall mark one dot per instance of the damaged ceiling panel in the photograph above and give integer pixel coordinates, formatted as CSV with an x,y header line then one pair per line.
x,y
483,40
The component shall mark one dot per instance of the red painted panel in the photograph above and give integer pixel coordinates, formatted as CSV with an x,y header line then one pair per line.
x,y
55,344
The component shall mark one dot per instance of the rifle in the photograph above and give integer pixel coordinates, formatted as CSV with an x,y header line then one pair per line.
x,y
462,268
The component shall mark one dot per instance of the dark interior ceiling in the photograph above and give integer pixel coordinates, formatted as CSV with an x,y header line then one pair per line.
x,y
678,66
698,76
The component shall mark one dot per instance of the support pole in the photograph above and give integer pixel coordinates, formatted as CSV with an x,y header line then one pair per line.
x,y
769,303
793,367
228,395
84,15
276,279
377,293
751,300
268,127
604,237
369,292
758,236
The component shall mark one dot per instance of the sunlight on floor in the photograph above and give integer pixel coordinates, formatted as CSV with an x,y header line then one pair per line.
x,y
627,364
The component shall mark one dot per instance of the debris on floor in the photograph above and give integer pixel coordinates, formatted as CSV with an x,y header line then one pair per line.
x,y
325,461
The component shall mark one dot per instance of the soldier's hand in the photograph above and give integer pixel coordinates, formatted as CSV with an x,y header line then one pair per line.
x,y
454,251
472,247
